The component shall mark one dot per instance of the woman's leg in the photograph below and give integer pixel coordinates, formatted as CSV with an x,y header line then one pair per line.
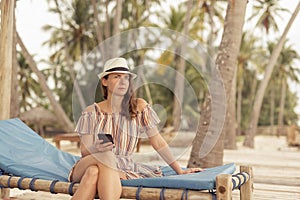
x,y
88,185
108,179
109,184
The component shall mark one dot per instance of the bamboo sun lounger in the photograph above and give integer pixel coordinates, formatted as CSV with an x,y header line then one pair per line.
x,y
27,161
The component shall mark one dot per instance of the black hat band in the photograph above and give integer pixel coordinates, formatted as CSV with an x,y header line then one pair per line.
x,y
117,69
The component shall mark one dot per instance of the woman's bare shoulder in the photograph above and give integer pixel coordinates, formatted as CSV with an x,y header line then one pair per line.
x,y
90,108
141,104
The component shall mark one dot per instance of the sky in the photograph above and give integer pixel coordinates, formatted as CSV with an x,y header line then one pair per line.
x,y
32,15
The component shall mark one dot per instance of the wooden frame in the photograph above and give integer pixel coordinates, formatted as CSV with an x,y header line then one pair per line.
x,y
225,183
72,137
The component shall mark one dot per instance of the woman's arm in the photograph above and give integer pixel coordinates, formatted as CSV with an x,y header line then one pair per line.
x,y
85,144
88,146
161,146
163,149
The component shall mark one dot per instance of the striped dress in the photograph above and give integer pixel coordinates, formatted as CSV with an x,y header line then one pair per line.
x,y
125,133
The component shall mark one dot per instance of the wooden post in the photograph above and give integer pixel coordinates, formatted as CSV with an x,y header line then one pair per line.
x,y
291,135
6,50
224,187
246,192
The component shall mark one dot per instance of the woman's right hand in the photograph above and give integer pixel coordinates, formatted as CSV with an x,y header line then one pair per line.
x,y
102,147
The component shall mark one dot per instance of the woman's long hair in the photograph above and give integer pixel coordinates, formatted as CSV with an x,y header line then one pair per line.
x,y
129,103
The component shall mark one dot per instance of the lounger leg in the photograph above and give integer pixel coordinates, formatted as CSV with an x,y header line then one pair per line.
x,y
4,193
246,191
224,187
57,144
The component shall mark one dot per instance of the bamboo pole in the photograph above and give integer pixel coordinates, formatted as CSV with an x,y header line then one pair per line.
x,y
39,184
127,192
240,179
154,193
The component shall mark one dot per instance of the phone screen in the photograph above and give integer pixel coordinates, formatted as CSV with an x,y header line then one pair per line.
x,y
105,137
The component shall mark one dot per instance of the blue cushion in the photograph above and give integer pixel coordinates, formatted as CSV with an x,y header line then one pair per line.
x,y
24,153
197,181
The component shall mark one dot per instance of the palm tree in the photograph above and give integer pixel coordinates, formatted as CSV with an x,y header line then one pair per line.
x,y
136,14
14,106
272,104
99,34
266,21
283,72
6,56
247,56
72,42
6,62
61,115
67,61
116,27
249,140
226,61
178,20
111,27
77,31
267,10
30,86
179,81
190,25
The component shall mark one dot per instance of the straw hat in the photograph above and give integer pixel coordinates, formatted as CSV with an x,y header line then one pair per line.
x,y
116,65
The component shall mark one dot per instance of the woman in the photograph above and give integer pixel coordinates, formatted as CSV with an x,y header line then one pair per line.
x,y
103,164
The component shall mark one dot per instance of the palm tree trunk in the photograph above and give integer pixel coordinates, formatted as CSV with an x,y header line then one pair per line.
x,y
230,132
116,28
239,100
252,126
14,106
62,118
281,108
204,121
226,62
68,64
179,79
6,61
253,91
98,30
141,81
272,109
98,26
6,56
107,23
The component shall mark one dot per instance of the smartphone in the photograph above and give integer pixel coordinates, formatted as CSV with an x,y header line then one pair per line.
x,y
105,137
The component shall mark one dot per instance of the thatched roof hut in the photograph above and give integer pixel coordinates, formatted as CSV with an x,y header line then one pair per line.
x,y
38,118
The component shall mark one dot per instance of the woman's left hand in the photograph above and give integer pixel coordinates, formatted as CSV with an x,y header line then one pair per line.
x,y
192,170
